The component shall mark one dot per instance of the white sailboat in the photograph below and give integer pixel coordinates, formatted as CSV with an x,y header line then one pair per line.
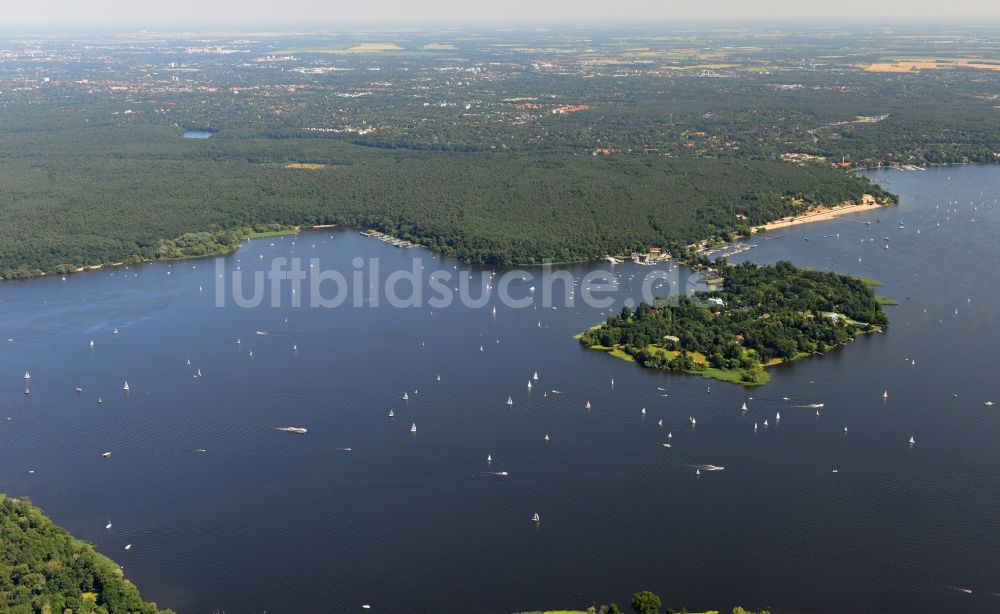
x,y
188,363
125,387
392,414
743,407
413,427
439,377
406,396
199,372
587,406
27,375
91,344
108,526
777,417
643,411
536,517
489,458
546,436
99,400
481,349
535,376
912,440
885,395
529,384
114,332
494,310
510,401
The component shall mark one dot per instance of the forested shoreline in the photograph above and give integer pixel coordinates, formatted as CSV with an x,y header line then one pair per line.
x,y
45,569
86,197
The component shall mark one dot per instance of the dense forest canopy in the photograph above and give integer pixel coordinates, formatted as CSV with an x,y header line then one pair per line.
x,y
500,148
761,314
97,195
44,569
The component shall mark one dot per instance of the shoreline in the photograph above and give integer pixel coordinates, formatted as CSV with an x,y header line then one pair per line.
x,y
93,268
816,214
822,213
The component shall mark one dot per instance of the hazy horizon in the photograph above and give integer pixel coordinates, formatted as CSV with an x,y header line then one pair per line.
x,y
193,13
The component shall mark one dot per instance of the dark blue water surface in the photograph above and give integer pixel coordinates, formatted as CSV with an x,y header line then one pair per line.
x,y
266,520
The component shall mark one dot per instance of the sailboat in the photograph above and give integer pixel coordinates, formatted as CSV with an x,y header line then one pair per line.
x,y
535,376
295,348
489,458
777,417
546,436
510,401
587,406
108,526
536,517
439,377
692,420
125,387
392,414
697,471
494,310
27,375
114,332
199,372
99,400
765,423
78,390
237,341
91,344
754,427
529,384
670,435
406,396
188,363
643,411
744,407
885,395
912,440
413,427
481,349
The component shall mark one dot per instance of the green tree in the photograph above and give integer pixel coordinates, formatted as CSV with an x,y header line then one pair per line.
x,y
646,602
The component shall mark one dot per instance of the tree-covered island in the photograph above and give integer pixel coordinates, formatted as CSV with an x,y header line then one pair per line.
x,y
760,316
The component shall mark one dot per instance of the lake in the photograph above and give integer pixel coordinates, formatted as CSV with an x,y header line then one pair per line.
x,y
420,522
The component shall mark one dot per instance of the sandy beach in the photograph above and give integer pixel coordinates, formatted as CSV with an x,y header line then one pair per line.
x,y
820,214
